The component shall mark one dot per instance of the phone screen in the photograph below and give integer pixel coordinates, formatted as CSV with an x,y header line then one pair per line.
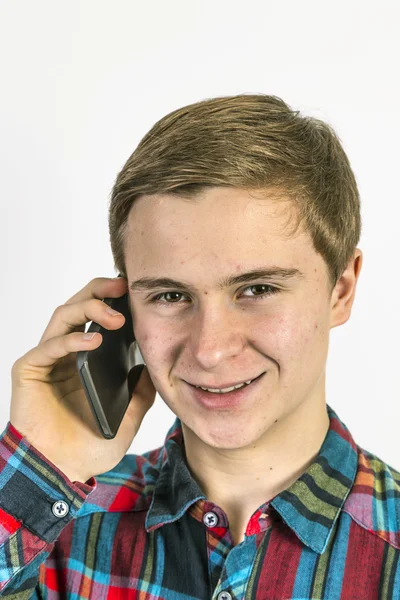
x,y
104,371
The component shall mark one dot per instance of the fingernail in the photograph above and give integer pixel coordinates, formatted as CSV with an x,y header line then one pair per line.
x,y
112,312
89,336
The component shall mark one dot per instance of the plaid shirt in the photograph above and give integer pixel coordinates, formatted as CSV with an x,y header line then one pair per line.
x,y
145,530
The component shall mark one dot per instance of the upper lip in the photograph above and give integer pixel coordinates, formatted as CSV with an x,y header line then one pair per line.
x,y
225,385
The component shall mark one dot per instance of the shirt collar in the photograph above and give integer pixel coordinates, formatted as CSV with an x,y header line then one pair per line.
x,y
310,506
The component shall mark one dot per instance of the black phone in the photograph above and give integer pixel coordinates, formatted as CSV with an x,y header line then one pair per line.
x,y
107,373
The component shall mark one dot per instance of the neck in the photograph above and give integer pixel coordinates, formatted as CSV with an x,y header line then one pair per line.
x,y
240,480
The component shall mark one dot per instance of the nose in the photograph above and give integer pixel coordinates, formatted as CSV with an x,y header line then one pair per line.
x,y
216,335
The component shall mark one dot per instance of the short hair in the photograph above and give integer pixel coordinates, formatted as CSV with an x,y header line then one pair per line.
x,y
254,142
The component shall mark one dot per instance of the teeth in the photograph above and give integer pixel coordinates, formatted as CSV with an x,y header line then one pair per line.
x,y
225,390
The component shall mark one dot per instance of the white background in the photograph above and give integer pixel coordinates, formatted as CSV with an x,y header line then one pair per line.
x,y
83,81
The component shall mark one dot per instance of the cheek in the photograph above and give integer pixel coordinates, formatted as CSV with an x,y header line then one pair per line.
x,y
154,349
294,336
154,343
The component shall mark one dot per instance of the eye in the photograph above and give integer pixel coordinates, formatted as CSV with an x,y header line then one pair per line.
x,y
270,291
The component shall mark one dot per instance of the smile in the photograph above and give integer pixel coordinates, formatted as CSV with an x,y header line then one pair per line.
x,y
227,389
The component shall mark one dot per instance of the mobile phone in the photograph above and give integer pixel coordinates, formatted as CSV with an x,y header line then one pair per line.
x,y
106,372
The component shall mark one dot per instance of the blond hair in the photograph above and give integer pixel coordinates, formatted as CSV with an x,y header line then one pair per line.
x,y
250,141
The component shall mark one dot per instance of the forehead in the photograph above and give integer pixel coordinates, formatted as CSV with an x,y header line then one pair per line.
x,y
222,226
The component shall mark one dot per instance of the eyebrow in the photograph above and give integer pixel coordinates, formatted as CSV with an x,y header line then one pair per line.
x,y
151,283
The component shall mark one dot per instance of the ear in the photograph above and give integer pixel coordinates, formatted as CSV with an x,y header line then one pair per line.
x,y
344,291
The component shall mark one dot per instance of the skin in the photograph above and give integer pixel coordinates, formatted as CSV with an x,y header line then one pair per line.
x,y
244,456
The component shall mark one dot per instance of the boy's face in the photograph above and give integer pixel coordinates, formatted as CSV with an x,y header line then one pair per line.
x,y
215,336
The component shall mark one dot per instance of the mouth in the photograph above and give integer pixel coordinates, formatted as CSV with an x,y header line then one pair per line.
x,y
221,400
223,389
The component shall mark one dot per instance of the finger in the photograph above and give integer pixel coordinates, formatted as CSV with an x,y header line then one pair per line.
x,y
49,352
71,317
100,287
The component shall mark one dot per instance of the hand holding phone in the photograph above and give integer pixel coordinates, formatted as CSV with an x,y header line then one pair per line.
x,y
49,405
109,373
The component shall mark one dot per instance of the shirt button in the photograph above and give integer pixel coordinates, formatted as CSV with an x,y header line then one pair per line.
x,y
60,508
211,520
224,596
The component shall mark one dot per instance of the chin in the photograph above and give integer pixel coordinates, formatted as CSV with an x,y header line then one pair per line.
x,y
219,433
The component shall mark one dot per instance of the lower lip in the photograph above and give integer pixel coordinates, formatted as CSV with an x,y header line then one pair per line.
x,y
228,400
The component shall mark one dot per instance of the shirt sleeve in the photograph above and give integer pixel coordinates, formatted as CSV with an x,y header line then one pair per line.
x,y
37,501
